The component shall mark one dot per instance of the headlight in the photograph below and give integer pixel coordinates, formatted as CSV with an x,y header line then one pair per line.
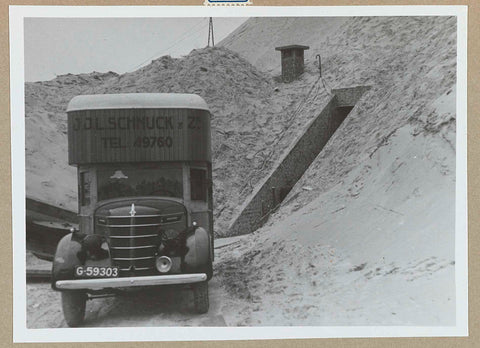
x,y
96,247
170,234
163,264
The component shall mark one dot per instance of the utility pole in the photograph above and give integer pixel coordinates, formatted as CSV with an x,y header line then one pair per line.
x,y
319,64
210,33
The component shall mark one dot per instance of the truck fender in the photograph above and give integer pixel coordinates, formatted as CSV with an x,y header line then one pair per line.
x,y
197,258
66,258
77,249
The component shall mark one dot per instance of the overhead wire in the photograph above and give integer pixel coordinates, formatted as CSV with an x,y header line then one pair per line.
x,y
181,38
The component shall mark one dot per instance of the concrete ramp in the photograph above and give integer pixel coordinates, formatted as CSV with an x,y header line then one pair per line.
x,y
272,191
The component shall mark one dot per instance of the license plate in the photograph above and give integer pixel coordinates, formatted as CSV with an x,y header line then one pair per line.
x,y
96,272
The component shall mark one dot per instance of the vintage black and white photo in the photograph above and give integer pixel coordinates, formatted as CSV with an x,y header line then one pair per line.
x,y
244,171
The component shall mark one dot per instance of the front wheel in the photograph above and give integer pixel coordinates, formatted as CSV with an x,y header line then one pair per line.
x,y
200,297
73,305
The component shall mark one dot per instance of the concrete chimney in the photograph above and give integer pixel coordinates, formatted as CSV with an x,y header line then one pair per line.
x,y
292,61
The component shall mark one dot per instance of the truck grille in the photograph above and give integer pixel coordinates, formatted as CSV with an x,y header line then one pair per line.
x,y
134,240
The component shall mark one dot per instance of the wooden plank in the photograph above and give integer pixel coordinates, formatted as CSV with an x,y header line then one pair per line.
x,y
45,209
39,275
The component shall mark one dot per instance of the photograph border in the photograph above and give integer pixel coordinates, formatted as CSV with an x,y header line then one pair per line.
x,y
23,334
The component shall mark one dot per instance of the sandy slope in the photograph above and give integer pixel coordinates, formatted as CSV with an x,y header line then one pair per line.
x,y
378,249
367,235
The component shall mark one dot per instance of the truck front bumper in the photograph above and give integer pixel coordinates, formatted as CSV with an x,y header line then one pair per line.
x,y
104,283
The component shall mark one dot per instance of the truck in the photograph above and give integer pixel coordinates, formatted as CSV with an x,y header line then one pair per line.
x,y
144,171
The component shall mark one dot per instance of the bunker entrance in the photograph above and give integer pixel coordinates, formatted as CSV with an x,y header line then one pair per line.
x,y
273,190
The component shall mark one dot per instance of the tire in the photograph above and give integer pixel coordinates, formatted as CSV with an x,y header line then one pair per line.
x,y
200,297
73,305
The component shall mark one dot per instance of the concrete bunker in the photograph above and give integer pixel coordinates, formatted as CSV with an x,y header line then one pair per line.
x,y
270,193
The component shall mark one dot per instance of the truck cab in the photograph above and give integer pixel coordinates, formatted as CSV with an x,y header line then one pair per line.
x,y
144,198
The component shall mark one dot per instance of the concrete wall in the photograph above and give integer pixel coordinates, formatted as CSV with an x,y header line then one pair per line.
x,y
349,96
274,189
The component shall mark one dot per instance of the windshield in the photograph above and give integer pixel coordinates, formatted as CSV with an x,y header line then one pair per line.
x,y
132,181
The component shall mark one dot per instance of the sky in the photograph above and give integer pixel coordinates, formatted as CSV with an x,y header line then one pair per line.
x,y
57,46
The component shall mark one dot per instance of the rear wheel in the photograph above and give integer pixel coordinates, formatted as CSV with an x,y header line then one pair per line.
x,y
200,297
73,305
